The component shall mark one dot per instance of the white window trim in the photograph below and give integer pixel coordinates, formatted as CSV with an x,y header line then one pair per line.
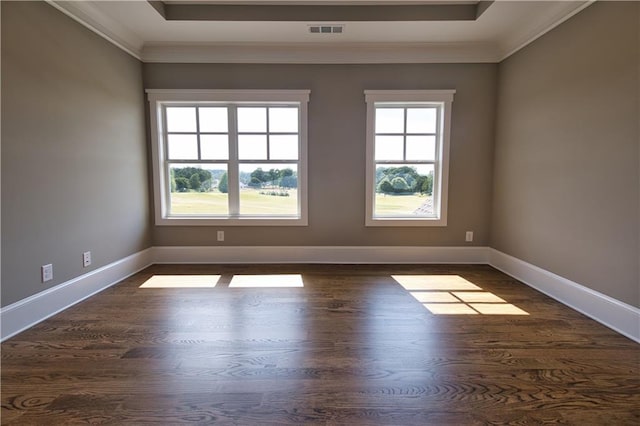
x,y
407,96
157,97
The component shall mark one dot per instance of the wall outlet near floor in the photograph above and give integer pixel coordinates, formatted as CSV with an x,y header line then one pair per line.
x,y
47,272
220,235
86,259
469,236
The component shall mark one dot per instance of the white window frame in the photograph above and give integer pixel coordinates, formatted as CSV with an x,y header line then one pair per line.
x,y
159,97
443,99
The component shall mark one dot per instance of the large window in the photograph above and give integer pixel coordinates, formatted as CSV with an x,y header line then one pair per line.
x,y
407,157
229,157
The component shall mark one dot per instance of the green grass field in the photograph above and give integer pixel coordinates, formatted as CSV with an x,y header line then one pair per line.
x,y
398,204
254,203
216,203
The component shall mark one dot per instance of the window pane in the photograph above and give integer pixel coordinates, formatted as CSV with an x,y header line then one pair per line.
x,y
269,189
404,190
421,148
213,120
389,148
198,190
252,147
421,120
252,119
283,147
183,147
389,120
181,119
214,147
283,120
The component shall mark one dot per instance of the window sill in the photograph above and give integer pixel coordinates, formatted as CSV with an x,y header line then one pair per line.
x,y
417,222
231,221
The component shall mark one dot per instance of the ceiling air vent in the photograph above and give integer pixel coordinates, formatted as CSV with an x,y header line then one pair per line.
x,y
326,29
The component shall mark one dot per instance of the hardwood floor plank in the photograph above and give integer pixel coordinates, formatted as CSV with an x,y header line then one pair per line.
x,y
352,346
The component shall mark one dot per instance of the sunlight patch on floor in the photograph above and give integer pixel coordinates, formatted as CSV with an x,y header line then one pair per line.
x,y
267,281
497,309
449,309
434,282
181,281
434,297
478,297
454,295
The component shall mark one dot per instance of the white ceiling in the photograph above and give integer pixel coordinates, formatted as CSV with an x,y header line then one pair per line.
x,y
502,29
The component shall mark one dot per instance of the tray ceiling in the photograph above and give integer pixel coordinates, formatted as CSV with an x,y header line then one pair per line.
x,y
263,31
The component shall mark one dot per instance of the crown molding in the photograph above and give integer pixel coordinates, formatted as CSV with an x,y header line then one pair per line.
x,y
322,53
521,38
87,14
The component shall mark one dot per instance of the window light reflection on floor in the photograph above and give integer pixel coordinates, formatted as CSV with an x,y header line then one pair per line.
x,y
454,295
449,309
478,297
434,282
267,281
434,297
497,309
181,281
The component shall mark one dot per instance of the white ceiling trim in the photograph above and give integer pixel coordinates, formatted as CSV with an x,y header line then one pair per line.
x,y
322,53
86,14
518,41
308,53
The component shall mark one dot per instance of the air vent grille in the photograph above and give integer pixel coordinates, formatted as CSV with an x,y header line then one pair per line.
x,y
326,29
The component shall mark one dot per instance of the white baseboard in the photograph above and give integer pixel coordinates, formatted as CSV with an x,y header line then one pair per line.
x,y
623,318
28,312
616,315
320,254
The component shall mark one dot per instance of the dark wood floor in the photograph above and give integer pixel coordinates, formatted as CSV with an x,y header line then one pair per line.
x,y
351,347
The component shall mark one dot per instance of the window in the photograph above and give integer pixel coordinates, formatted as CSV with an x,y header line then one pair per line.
x,y
229,157
407,157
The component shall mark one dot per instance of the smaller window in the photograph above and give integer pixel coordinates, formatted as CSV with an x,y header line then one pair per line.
x,y
407,157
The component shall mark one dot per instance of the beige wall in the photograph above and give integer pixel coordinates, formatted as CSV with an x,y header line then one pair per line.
x,y
74,165
566,180
337,149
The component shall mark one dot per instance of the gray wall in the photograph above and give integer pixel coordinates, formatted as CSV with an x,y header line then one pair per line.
x,y
566,180
565,175
337,120
74,162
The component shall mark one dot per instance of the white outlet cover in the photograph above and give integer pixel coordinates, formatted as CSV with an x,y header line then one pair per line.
x,y
47,272
86,258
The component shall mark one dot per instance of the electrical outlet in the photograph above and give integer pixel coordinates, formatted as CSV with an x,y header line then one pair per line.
x,y
469,236
220,235
47,272
86,259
